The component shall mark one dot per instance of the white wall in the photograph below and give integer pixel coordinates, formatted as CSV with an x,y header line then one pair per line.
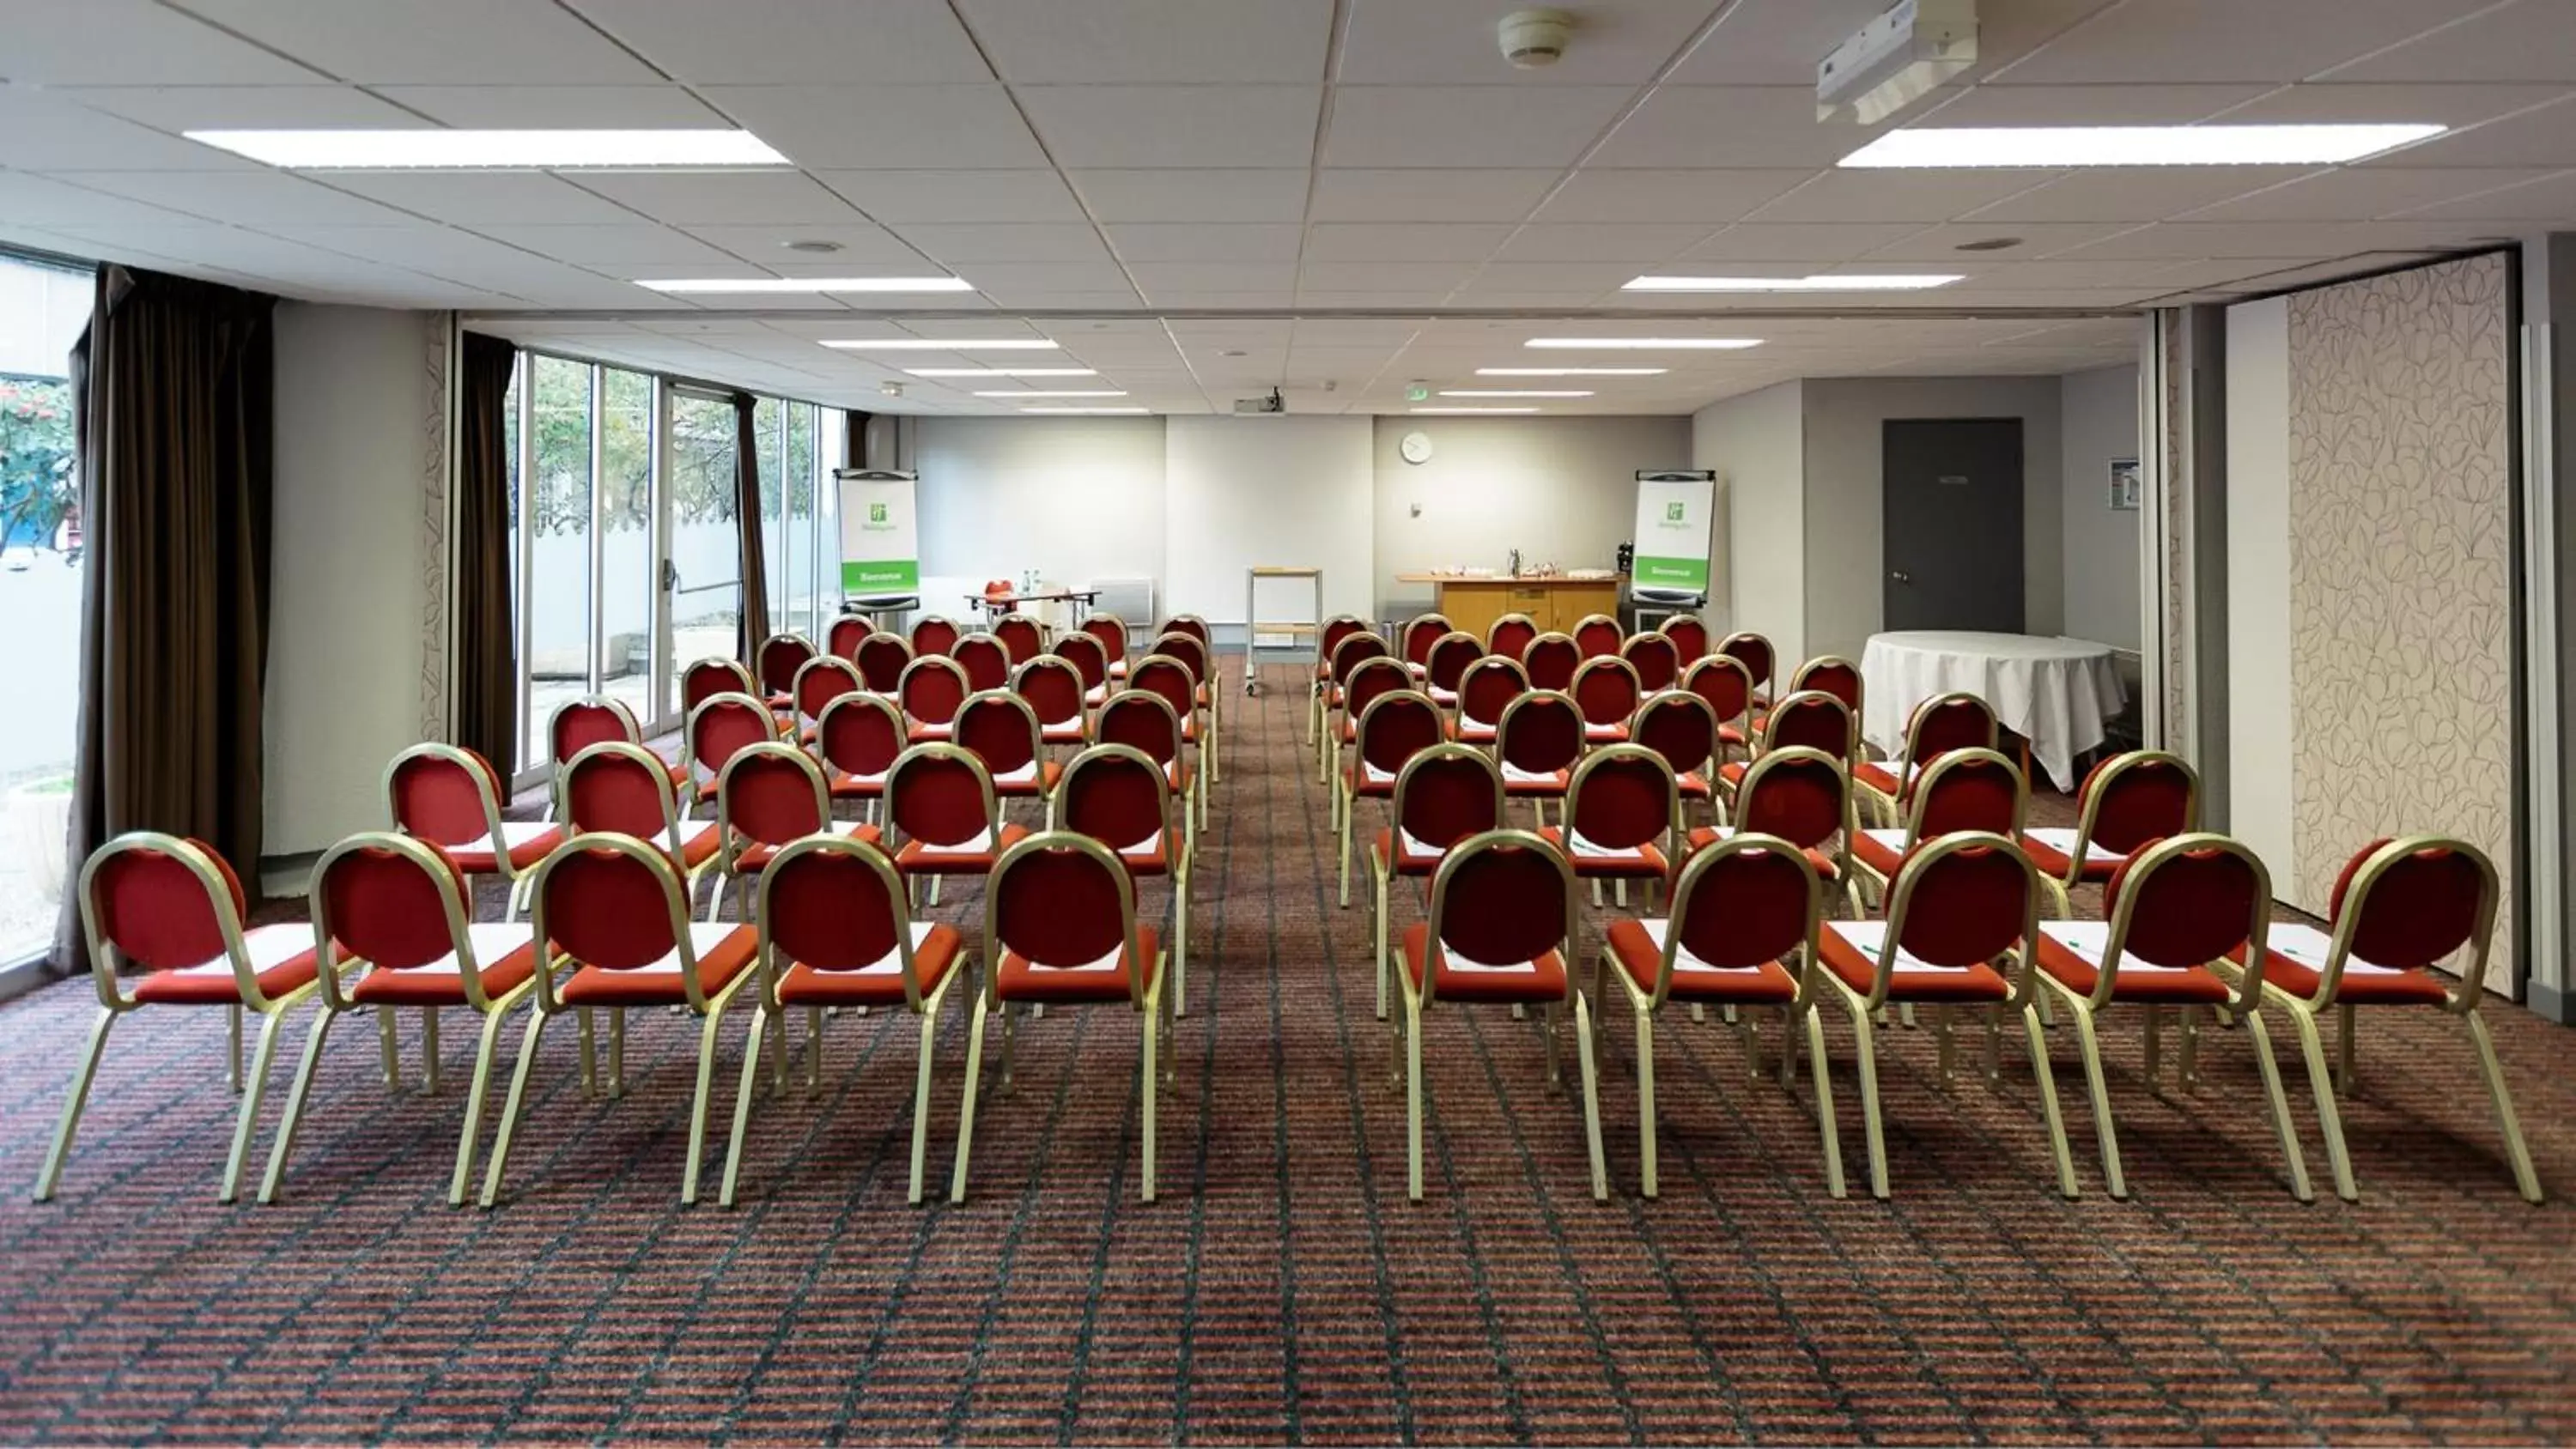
x,y
358,413
2259,706
1076,499
1279,492
1561,490
1845,561
1757,446
2099,413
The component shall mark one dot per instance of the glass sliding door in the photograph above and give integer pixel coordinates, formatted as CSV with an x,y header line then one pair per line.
x,y
625,541
706,595
560,592
796,538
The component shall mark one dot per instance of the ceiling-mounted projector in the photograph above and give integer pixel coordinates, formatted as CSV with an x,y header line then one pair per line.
x,y
1262,407
1896,59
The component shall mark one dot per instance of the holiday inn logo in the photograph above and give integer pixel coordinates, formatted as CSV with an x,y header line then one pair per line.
x,y
877,512
1673,512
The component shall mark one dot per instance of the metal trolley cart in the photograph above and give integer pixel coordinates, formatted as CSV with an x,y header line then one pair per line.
x,y
1276,635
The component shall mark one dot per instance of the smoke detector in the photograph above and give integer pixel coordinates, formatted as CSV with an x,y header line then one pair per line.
x,y
1534,38
890,388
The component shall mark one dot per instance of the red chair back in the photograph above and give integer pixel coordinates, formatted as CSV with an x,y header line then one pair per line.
x,y
1511,634
781,655
1796,793
1813,719
1001,730
395,902
941,796
726,725
1830,674
860,734
1947,722
1420,633
1446,793
1190,624
707,678
2136,797
1451,653
1724,682
1597,635
1328,640
772,793
447,795
836,905
1743,901
1021,637
931,688
1502,897
1541,732
163,903
1551,660
1189,649
1140,721
618,789
1622,797
1606,687
1168,678
1087,657
1655,658
1354,650
1116,795
1053,688
1754,653
2187,901
986,660
844,636
881,658
2414,902
1061,899
1975,789
1395,727
1679,726
1375,677
605,901
1689,634
933,634
1111,632
1488,688
824,678
592,720
1961,900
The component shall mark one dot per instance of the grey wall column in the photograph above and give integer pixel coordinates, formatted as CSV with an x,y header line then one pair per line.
x,y
2182,383
2549,615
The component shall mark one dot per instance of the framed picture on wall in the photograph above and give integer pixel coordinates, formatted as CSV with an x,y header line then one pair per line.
x,y
2124,483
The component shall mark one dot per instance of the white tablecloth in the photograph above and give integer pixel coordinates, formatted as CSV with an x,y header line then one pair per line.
x,y
2054,693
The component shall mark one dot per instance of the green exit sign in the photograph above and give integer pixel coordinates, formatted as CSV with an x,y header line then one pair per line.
x,y
1416,393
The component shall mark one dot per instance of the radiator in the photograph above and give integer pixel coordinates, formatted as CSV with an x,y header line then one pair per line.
x,y
1132,600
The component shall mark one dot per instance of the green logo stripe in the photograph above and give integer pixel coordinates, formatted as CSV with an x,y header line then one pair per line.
x,y
888,576
1670,573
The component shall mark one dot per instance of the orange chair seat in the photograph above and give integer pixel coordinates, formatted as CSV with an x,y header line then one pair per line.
x,y
757,855
2051,851
1036,778
505,956
1851,953
1021,979
846,786
724,952
1643,862
925,731
1728,734
966,857
1732,772
1418,857
1524,981
697,847
1550,783
1605,734
1071,732
281,960
1692,784
2071,951
1368,782
1474,732
1825,864
523,842
1638,947
1881,850
935,949
2294,958
1872,775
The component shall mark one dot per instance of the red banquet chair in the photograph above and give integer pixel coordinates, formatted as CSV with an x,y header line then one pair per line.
x,y
858,738
1393,728
1962,904
2400,907
2173,908
1111,632
1190,624
1551,660
1689,634
610,907
1655,658
706,678
400,909
1416,638
1754,652
1537,742
1328,642
836,930
819,681
1487,689
1374,676
931,689
1598,636
1622,819
173,909
716,729
1680,726
452,799
1501,932
769,797
1147,723
1824,674
843,636
1510,635
1119,796
1090,661
934,635
613,789
881,658
1605,687
1191,653
1965,789
942,817
781,655
1810,719
1004,734
986,660
2124,803
1742,934
1060,926
1723,681
1945,722
1446,665
1442,796
1803,796
1053,688
595,719
1021,637
1355,649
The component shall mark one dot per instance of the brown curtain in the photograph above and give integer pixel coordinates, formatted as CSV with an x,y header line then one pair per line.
x,y
174,382
487,680
746,493
854,438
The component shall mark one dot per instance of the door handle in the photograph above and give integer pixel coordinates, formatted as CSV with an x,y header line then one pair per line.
x,y
670,576
1901,576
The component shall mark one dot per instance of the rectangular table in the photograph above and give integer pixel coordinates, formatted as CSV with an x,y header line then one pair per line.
x,y
1553,601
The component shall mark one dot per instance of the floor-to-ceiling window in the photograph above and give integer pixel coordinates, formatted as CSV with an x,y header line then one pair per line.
x,y
706,568
559,592
42,312
625,539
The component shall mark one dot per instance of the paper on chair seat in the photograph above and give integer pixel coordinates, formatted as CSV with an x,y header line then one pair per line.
x,y
892,961
1683,960
2309,947
1869,937
1452,961
1515,772
1593,850
2061,838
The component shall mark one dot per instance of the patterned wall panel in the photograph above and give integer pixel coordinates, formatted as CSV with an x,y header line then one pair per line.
x,y
2401,568
438,329
2175,513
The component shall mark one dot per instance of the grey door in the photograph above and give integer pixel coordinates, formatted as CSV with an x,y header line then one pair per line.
x,y
1953,514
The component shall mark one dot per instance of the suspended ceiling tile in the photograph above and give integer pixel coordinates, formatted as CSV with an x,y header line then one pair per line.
x,y
822,42
1452,42
545,107
1373,194
397,42
895,197
1050,42
1193,194
1102,126
1467,126
838,127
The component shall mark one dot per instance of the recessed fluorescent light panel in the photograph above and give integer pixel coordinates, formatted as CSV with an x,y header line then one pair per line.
x,y
471,150
1511,392
2135,145
1003,371
1083,412
1905,282
1651,344
937,344
722,285
1475,410
1571,371
1053,392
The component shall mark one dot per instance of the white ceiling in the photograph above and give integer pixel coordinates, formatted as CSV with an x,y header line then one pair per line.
x,y
1367,173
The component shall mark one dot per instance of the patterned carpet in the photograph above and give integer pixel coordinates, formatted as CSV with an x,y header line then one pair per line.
x,y
1283,1290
